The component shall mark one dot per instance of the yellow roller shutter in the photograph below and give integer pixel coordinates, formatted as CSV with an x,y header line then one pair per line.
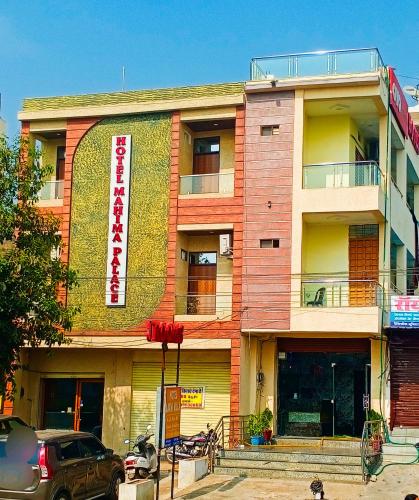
x,y
215,377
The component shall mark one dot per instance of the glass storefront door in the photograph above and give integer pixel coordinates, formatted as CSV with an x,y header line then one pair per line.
x,y
320,394
74,404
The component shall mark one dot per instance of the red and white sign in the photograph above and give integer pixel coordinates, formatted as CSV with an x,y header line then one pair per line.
x,y
118,220
398,104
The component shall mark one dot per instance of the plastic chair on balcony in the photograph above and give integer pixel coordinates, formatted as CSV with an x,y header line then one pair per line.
x,y
318,298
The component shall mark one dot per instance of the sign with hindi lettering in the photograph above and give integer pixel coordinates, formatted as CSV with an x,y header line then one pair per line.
x,y
404,311
193,397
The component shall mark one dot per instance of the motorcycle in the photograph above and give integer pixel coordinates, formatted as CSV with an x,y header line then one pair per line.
x,y
194,446
143,462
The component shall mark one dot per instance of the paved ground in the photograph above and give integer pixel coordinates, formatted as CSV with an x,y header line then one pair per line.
x,y
393,484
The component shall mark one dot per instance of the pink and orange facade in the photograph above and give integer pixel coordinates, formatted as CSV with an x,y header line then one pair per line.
x,y
259,217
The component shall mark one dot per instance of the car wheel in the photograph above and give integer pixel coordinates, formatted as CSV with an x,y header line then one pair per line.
x,y
62,495
114,488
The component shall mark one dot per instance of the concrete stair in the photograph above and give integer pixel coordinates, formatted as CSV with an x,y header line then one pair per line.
x,y
401,449
342,463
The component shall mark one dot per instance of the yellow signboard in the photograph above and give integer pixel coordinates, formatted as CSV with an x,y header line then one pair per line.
x,y
193,397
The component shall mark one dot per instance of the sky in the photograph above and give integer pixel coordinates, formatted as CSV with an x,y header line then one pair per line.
x,y
56,47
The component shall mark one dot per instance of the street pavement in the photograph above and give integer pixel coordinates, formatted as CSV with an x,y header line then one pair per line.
x,y
393,484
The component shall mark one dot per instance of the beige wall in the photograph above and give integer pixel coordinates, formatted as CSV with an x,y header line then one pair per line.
x,y
227,138
49,153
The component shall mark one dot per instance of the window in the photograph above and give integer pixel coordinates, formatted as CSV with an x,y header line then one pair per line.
x,y
269,243
91,447
207,145
202,258
269,130
69,450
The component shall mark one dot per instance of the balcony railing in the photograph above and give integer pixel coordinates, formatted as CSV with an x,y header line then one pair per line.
x,y
339,175
196,304
207,183
335,292
322,63
52,190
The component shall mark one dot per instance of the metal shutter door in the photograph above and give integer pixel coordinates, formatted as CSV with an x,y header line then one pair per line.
x,y
146,377
404,380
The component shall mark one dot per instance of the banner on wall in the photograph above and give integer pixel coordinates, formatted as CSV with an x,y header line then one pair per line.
x,y
118,220
404,311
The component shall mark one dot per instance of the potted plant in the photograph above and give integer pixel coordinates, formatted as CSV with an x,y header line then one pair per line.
x,y
267,417
376,439
255,428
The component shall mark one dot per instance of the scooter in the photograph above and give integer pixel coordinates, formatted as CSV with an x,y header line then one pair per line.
x,y
143,462
192,446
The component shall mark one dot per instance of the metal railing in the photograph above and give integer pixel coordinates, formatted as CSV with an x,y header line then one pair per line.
x,y
337,292
196,304
321,63
230,432
207,183
339,175
52,190
374,435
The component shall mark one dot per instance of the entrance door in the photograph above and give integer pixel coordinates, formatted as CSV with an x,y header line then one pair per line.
x,y
74,404
320,386
206,161
89,406
363,271
202,282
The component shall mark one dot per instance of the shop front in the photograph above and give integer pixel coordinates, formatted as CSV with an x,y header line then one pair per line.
x,y
323,385
403,336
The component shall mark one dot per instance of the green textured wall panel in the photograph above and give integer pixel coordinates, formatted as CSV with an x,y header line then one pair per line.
x,y
148,220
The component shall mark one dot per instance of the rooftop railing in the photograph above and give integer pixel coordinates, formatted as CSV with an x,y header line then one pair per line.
x,y
321,63
339,175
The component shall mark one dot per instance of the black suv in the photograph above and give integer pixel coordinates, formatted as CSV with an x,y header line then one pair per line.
x,y
68,465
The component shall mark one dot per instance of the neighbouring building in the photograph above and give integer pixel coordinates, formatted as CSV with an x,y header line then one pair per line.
x,y
274,218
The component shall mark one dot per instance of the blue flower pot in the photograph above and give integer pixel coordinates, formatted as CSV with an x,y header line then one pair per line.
x,y
255,440
261,440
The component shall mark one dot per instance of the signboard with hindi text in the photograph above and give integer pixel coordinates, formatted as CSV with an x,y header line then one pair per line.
x,y
193,397
404,311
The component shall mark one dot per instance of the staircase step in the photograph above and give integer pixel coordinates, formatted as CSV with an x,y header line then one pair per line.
x,y
399,459
306,456
410,432
394,449
317,442
292,466
287,474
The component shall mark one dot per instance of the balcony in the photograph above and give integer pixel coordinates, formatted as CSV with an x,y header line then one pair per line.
x,y
334,292
51,194
337,304
200,307
202,184
312,64
342,175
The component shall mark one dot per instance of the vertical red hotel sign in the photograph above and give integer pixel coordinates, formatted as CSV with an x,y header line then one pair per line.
x,y
118,220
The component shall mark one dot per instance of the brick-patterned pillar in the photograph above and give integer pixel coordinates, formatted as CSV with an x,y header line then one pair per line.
x,y
237,264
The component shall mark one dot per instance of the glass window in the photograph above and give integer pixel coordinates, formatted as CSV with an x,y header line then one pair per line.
x,y
269,243
207,145
203,258
269,130
91,447
69,450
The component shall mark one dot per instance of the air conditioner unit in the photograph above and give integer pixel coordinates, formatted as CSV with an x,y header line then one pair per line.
x,y
226,247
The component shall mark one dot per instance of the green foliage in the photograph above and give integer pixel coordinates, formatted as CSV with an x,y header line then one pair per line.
x,y
30,313
259,422
374,415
